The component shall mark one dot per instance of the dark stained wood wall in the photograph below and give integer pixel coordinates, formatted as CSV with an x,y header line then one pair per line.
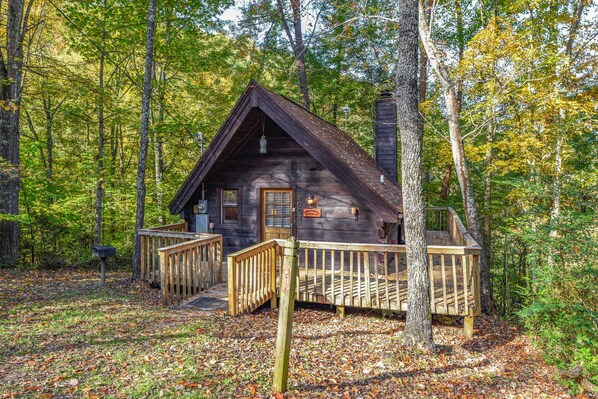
x,y
287,165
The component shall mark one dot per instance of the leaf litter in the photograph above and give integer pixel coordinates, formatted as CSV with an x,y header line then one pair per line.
x,y
64,336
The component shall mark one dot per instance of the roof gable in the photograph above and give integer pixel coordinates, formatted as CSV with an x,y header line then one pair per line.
x,y
333,148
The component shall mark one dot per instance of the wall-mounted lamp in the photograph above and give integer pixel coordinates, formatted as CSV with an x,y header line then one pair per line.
x,y
211,227
355,212
311,200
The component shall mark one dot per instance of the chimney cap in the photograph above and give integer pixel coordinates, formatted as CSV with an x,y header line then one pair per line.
x,y
385,93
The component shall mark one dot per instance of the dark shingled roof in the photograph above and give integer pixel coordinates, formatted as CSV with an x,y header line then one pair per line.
x,y
329,145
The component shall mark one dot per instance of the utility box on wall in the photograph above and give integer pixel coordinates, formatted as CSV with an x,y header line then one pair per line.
x,y
202,221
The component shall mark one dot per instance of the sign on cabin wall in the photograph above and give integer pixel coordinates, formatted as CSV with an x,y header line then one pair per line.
x,y
312,213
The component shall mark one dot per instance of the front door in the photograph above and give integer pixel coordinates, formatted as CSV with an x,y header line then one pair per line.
x,y
277,213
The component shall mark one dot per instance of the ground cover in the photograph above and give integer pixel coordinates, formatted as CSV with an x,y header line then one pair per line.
x,y
63,336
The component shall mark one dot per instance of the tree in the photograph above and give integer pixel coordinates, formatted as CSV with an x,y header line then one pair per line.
x,y
296,43
453,106
145,115
418,326
11,75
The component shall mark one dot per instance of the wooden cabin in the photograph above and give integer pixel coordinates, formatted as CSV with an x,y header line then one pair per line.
x,y
274,170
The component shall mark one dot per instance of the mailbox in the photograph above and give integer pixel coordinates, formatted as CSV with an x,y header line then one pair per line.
x,y
103,251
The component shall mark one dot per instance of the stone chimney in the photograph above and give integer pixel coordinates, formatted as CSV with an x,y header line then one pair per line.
x,y
385,134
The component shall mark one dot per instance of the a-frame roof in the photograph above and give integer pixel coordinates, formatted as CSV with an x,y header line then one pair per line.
x,y
330,146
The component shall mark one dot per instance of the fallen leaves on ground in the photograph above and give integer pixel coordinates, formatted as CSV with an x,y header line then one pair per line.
x,y
62,335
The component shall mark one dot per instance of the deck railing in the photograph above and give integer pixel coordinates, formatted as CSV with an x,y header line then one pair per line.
x,y
252,276
187,268
361,275
436,218
154,238
180,227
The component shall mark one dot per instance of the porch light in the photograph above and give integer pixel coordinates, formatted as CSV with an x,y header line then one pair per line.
x,y
311,200
263,141
263,144
211,226
355,212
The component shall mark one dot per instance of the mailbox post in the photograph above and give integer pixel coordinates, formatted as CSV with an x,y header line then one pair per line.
x,y
103,252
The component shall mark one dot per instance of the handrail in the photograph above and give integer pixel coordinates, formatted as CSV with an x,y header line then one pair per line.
x,y
249,251
181,226
168,233
432,249
466,238
252,276
190,244
188,267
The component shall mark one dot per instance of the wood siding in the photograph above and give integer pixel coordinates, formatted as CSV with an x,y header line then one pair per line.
x,y
287,165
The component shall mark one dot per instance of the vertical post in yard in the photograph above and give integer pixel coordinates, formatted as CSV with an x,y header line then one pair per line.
x,y
103,270
285,314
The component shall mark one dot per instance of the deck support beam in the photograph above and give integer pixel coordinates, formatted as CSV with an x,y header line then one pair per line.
x,y
340,311
468,326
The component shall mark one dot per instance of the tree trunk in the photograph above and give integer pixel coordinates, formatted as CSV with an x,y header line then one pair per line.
x,y
461,44
47,102
300,53
101,145
297,46
145,114
157,139
11,74
418,326
423,77
423,67
556,196
488,192
446,181
469,203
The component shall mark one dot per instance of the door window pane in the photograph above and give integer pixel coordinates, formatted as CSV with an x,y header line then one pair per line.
x,y
278,209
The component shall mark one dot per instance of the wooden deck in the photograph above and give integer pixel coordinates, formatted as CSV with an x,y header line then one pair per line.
x,y
363,275
190,271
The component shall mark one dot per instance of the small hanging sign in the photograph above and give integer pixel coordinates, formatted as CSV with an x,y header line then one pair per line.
x,y
312,213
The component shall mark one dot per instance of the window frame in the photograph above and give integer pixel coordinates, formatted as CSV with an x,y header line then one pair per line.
x,y
223,221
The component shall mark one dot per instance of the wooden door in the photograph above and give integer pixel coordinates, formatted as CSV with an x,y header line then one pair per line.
x,y
277,213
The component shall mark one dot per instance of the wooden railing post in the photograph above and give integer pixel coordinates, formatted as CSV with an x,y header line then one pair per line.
x,y
220,252
163,279
272,258
143,255
285,315
233,295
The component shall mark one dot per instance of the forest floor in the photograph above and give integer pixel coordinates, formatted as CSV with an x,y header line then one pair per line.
x,y
62,336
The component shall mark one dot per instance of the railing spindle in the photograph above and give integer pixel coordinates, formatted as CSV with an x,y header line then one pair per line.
x,y
386,278
455,287
432,285
464,267
351,276
342,278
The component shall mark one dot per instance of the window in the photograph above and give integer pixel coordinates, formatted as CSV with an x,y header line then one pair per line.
x,y
230,206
